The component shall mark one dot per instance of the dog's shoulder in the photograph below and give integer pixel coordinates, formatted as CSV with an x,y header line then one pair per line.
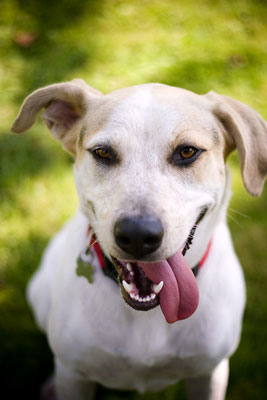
x,y
69,239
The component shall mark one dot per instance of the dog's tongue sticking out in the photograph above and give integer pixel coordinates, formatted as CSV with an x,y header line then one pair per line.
x,y
179,295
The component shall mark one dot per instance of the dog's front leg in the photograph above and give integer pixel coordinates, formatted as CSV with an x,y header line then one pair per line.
x,y
69,386
210,387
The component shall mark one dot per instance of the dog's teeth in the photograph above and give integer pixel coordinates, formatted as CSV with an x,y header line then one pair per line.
x,y
127,286
143,299
157,288
140,299
129,267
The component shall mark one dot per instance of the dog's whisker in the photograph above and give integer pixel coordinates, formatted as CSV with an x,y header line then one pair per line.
x,y
93,243
238,212
235,221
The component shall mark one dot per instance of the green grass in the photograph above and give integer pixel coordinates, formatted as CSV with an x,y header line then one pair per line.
x,y
200,45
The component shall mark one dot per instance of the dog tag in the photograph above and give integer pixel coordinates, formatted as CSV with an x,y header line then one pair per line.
x,y
85,268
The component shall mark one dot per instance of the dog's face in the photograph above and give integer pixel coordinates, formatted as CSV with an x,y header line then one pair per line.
x,y
150,162
154,156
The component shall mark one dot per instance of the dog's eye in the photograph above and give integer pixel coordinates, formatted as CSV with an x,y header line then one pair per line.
x,y
187,152
185,155
103,153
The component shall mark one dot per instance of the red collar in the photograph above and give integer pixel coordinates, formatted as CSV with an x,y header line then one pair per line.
x,y
96,246
205,255
100,255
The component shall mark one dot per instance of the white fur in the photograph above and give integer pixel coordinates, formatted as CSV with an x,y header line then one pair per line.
x,y
94,334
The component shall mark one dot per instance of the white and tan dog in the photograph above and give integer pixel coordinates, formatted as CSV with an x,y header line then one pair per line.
x,y
150,172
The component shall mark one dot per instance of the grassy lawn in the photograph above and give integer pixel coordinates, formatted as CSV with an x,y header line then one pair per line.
x,y
199,45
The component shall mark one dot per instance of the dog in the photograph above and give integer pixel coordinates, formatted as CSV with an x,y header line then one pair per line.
x,y
150,235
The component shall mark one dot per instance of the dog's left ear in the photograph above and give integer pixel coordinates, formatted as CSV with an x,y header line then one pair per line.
x,y
65,107
246,131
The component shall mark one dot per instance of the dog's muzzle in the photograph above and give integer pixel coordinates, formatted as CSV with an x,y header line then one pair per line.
x,y
169,283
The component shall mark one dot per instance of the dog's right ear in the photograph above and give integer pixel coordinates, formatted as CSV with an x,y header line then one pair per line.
x,y
65,106
247,132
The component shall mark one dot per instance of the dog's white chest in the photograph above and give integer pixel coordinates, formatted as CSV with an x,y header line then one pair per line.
x,y
96,334
110,343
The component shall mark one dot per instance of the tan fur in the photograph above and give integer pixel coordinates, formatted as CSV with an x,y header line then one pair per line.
x,y
76,93
248,132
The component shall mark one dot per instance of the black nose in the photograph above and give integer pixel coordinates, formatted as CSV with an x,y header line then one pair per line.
x,y
138,235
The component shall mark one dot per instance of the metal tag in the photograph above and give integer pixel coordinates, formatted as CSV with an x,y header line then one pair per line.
x,y
84,266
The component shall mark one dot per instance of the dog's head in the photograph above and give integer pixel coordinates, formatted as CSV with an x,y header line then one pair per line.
x,y
150,162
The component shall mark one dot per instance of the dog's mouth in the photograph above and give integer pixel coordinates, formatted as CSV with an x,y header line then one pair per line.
x,y
137,289
169,283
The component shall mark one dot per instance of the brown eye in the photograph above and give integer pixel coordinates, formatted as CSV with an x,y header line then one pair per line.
x,y
103,153
187,152
185,155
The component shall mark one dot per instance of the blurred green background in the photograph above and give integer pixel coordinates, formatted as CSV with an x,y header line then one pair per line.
x,y
199,45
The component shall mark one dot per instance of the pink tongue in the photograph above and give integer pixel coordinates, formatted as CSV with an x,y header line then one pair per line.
x,y
179,295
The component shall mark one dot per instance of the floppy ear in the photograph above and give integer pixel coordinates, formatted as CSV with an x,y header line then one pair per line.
x,y
65,105
247,132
